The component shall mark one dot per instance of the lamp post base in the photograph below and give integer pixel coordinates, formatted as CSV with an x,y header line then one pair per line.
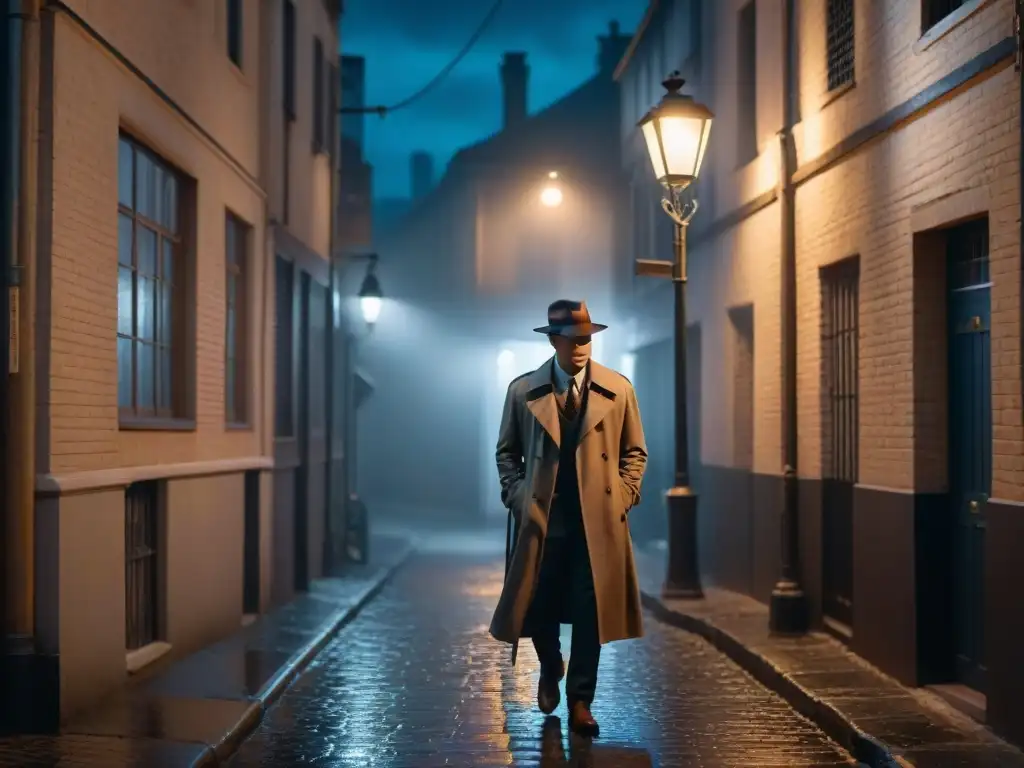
x,y
682,581
787,612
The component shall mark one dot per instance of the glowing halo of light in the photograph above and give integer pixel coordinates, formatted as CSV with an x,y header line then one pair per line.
x,y
551,196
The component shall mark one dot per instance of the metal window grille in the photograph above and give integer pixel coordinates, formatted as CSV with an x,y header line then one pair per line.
x,y
934,11
840,43
967,246
840,332
840,288
141,554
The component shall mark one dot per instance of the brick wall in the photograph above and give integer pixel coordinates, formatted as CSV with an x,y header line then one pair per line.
x,y
861,206
93,97
864,206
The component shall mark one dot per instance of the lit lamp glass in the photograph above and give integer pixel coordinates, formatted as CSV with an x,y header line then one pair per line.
x,y
551,195
676,132
370,296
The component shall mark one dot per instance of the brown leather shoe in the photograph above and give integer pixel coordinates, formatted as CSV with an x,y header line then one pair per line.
x,y
581,721
548,695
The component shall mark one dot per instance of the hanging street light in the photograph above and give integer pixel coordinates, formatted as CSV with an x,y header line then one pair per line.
x,y
676,132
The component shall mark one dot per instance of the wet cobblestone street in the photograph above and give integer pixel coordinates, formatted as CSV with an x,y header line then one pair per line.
x,y
416,681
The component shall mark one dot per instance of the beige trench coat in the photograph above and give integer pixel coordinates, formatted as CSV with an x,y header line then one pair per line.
x,y
610,459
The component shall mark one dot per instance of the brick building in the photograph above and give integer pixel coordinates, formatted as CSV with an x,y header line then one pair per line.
x,y
138,485
903,161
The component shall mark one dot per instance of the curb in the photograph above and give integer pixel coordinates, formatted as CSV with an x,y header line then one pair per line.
x,y
219,753
864,747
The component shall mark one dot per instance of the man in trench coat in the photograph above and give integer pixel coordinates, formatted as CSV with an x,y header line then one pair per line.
x,y
571,457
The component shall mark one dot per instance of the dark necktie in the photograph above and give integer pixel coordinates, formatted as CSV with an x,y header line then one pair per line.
x,y
570,400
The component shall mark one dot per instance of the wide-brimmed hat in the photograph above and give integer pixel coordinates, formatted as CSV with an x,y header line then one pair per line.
x,y
569,318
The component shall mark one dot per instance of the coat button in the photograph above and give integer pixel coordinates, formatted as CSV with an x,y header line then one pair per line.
x,y
608,490
604,456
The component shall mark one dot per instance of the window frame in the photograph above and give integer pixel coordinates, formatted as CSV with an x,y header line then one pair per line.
x,y
288,54
235,32
319,91
931,17
237,400
176,411
747,148
832,44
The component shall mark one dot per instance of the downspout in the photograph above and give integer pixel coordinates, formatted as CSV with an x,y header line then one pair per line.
x,y
788,608
19,233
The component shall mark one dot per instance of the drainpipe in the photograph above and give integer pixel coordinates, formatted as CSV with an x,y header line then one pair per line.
x,y
19,237
788,607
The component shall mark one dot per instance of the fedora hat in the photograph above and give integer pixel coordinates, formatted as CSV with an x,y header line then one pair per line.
x,y
569,318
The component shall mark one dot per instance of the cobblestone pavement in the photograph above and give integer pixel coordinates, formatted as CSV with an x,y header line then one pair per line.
x,y
415,681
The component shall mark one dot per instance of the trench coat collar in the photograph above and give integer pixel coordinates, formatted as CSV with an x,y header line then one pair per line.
x,y
540,398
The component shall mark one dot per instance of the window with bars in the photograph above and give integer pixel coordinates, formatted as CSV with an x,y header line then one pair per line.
x,y
236,379
234,19
142,562
840,43
150,293
934,11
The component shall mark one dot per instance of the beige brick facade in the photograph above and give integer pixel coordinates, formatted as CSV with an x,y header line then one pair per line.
x,y
862,205
179,46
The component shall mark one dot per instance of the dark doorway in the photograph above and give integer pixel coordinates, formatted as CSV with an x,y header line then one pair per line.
x,y
251,545
840,296
970,437
735,536
301,541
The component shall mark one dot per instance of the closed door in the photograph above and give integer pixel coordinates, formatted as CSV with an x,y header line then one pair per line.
x,y
970,438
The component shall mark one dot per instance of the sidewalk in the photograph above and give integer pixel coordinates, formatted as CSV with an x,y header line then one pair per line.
x,y
879,721
198,710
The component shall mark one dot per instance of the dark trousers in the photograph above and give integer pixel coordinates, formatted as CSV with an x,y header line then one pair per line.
x,y
565,589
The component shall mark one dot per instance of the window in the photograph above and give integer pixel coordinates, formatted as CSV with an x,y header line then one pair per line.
x,y
289,59
840,43
746,84
333,102
235,31
141,564
150,292
318,95
284,409
934,11
236,259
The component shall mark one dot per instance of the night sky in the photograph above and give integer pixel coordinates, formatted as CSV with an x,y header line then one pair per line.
x,y
406,42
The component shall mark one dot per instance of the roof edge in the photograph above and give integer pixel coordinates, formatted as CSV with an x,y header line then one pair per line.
x,y
634,43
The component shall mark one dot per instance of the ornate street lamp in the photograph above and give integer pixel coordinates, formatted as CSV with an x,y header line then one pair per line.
x,y
676,132
370,294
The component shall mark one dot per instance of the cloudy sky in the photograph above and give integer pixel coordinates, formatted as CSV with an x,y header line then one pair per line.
x,y
406,42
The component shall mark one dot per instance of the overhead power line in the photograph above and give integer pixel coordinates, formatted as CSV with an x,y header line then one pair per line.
x,y
384,110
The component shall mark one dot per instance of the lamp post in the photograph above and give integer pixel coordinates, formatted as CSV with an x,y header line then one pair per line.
x,y
356,539
676,133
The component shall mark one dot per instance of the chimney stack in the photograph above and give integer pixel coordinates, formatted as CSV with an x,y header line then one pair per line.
x,y
611,48
421,170
514,75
